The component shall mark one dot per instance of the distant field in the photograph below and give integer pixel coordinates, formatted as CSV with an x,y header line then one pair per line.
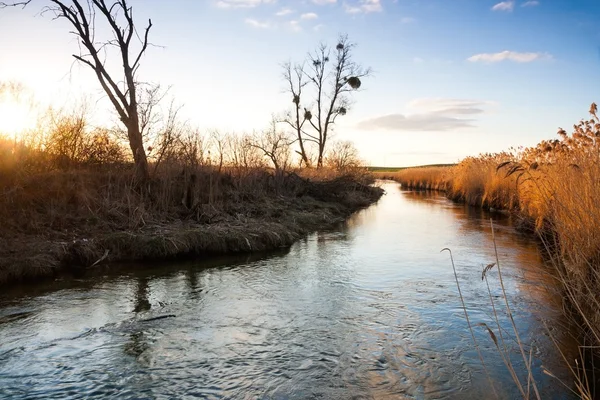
x,y
394,169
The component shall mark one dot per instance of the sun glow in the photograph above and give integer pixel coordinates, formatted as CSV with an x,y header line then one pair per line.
x,y
15,118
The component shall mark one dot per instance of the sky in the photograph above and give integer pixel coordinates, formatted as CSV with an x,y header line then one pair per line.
x,y
451,78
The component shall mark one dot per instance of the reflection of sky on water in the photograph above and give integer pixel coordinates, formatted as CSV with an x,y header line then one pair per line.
x,y
369,309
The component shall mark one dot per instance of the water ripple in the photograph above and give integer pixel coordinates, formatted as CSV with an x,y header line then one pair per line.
x,y
366,311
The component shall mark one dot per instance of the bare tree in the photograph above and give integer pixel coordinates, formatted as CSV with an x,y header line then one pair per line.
x,y
275,145
296,79
343,156
330,78
192,148
241,155
14,4
160,129
66,137
218,141
119,16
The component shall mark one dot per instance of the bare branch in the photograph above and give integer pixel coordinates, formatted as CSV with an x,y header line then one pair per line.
x,y
21,4
144,46
119,16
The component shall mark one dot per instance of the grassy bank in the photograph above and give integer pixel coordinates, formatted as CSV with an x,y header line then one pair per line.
x,y
555,188
384,170
73,220
69,198
420,178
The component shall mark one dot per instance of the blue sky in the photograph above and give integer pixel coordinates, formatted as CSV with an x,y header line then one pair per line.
x,y
451,77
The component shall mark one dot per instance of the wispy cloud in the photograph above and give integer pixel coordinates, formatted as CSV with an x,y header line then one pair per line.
x,y
310,15
364,6
407,20
504,6
509,56
531,3
415,123
284,11
433,114
322,2
295,26
449,106
318,27
242,3
257,24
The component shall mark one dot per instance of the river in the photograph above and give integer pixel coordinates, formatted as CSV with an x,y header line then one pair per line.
x,y
368,310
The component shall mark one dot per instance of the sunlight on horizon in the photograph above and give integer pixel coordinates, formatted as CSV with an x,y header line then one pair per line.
x,y
15,118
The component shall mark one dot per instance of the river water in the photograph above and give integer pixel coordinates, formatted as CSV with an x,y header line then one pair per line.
x,y
368,310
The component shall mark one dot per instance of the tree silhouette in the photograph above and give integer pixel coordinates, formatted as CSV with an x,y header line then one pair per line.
x,y
118,15
329,75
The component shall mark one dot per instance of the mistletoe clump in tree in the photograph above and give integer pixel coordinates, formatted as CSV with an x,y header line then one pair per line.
x,y
320,89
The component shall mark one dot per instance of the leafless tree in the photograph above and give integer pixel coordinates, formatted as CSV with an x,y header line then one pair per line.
x,y
14,4
160,128
83,17
295,78
275,145
218,141
192,148
241,155
66,137
343,156
330,75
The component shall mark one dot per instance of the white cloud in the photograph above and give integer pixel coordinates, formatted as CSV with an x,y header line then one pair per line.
x,y
449,106
433,114
310,15
364,6
242,3
322,2
318,27
504,6
418,60
284,11
415,123
510,56
530,3
295,26
407,20
257,24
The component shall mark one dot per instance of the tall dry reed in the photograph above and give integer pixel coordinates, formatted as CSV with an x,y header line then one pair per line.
x,y
555,186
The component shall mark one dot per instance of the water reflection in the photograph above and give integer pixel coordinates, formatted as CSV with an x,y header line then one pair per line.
x,y
141,296
366,310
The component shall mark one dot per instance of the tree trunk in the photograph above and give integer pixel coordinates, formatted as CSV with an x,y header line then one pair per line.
x,y
302,151
139,155
300,140
321,152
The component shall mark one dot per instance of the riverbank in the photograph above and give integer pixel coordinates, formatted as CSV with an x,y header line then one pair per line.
x,y
244,325
475,182
552,189
61,222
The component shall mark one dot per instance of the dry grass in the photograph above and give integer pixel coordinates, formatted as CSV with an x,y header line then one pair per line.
x,y
507,337
420,178
555,188
73,220
68,198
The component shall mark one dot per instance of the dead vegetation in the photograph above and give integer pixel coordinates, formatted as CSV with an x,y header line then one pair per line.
x,y
71,220
69,196
553,190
